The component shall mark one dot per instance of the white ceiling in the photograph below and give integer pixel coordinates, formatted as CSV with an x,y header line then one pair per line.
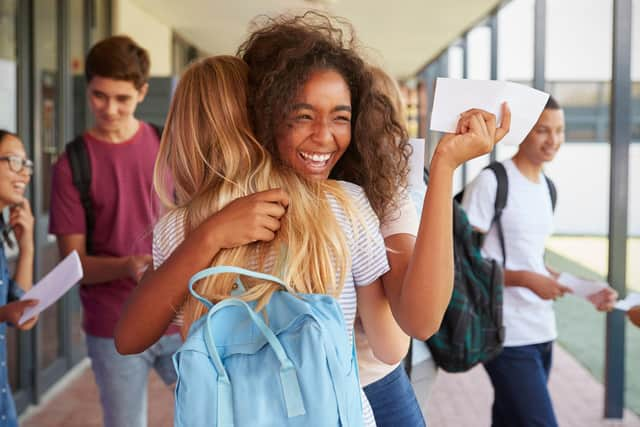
x,y
401,36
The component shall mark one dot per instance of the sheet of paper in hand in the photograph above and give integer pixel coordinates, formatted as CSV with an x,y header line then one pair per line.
x,y
632,300
581,287
455,96
416,162
53,286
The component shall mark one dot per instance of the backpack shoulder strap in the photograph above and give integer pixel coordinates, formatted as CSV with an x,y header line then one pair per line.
x,y
553,193
81,178
503,187
501,201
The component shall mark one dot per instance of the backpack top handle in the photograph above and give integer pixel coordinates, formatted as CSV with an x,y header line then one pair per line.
x,y
212,271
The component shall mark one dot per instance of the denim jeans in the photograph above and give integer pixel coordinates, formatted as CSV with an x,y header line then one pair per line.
x,y
394,402
122,380
519,376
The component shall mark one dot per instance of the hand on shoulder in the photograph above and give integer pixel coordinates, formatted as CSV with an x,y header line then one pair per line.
x,y
249,219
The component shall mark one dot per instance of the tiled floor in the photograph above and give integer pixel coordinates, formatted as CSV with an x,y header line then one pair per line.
x,y
464,400
76,404
456,400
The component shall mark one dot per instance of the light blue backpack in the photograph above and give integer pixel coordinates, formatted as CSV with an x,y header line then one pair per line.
x,y
299,370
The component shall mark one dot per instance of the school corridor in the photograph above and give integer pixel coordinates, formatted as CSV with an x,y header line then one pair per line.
x,y
456,400
585,52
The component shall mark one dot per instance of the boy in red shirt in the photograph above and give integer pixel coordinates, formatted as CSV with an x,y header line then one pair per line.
x,y
121,151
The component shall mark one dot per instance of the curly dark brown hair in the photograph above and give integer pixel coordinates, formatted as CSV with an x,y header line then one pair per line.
x,y
282,53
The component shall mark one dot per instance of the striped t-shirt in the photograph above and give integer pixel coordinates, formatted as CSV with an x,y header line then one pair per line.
x,y
365,245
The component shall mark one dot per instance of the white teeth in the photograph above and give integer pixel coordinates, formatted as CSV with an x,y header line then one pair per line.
x,y
316,157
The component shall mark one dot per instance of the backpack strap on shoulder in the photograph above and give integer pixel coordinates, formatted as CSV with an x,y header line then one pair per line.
x,y
81,178
501,201
553,193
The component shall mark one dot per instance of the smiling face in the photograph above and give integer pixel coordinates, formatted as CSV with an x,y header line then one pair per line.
x,y
113,102
12,184
317,128
546,137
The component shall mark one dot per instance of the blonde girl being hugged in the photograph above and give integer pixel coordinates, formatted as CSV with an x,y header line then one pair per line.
x,y
237,208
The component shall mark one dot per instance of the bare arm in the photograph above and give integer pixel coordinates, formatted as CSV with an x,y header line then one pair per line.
x,y
100,269
554,273
24,269
388,342
420,282
12,312
161,293
545,287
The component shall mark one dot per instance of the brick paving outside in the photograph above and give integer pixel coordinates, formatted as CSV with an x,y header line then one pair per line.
x,y
456,400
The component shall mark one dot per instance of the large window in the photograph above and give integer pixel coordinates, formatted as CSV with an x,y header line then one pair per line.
x,y
479,68
515,54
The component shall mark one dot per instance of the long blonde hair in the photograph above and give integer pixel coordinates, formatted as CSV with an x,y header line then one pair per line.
x,y
209,157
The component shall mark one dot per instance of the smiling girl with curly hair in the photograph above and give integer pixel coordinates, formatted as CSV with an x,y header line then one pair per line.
x,y
315,104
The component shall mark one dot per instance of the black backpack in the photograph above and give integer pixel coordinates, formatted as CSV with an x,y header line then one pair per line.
x,y
81,178
472,331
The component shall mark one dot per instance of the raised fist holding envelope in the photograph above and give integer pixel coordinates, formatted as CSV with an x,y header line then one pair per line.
x,y
455,96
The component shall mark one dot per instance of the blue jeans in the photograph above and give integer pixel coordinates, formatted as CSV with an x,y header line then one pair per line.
x,y
519,376
393,401
122,380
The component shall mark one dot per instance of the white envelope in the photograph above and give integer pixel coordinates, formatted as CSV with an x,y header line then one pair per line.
x,y
416,163
581,287
632,300
455,96
53,286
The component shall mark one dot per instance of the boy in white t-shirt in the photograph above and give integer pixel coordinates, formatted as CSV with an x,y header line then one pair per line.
x,y
520,373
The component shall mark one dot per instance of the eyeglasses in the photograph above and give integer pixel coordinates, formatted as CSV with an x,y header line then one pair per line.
x,y
17,163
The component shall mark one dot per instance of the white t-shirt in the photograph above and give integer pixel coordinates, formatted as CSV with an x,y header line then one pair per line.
x,y
527,221
404,221
366,247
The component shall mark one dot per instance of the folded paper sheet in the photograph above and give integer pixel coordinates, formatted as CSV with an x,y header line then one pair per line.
x,y
581,287
632,300
416,163
455,96
53,286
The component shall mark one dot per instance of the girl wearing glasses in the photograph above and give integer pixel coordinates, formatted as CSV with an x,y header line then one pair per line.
x,y
15,172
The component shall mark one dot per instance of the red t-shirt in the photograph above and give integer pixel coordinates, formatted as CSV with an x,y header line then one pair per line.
x,y
125,207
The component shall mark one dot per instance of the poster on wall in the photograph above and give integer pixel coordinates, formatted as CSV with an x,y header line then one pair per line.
x,y
8,91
